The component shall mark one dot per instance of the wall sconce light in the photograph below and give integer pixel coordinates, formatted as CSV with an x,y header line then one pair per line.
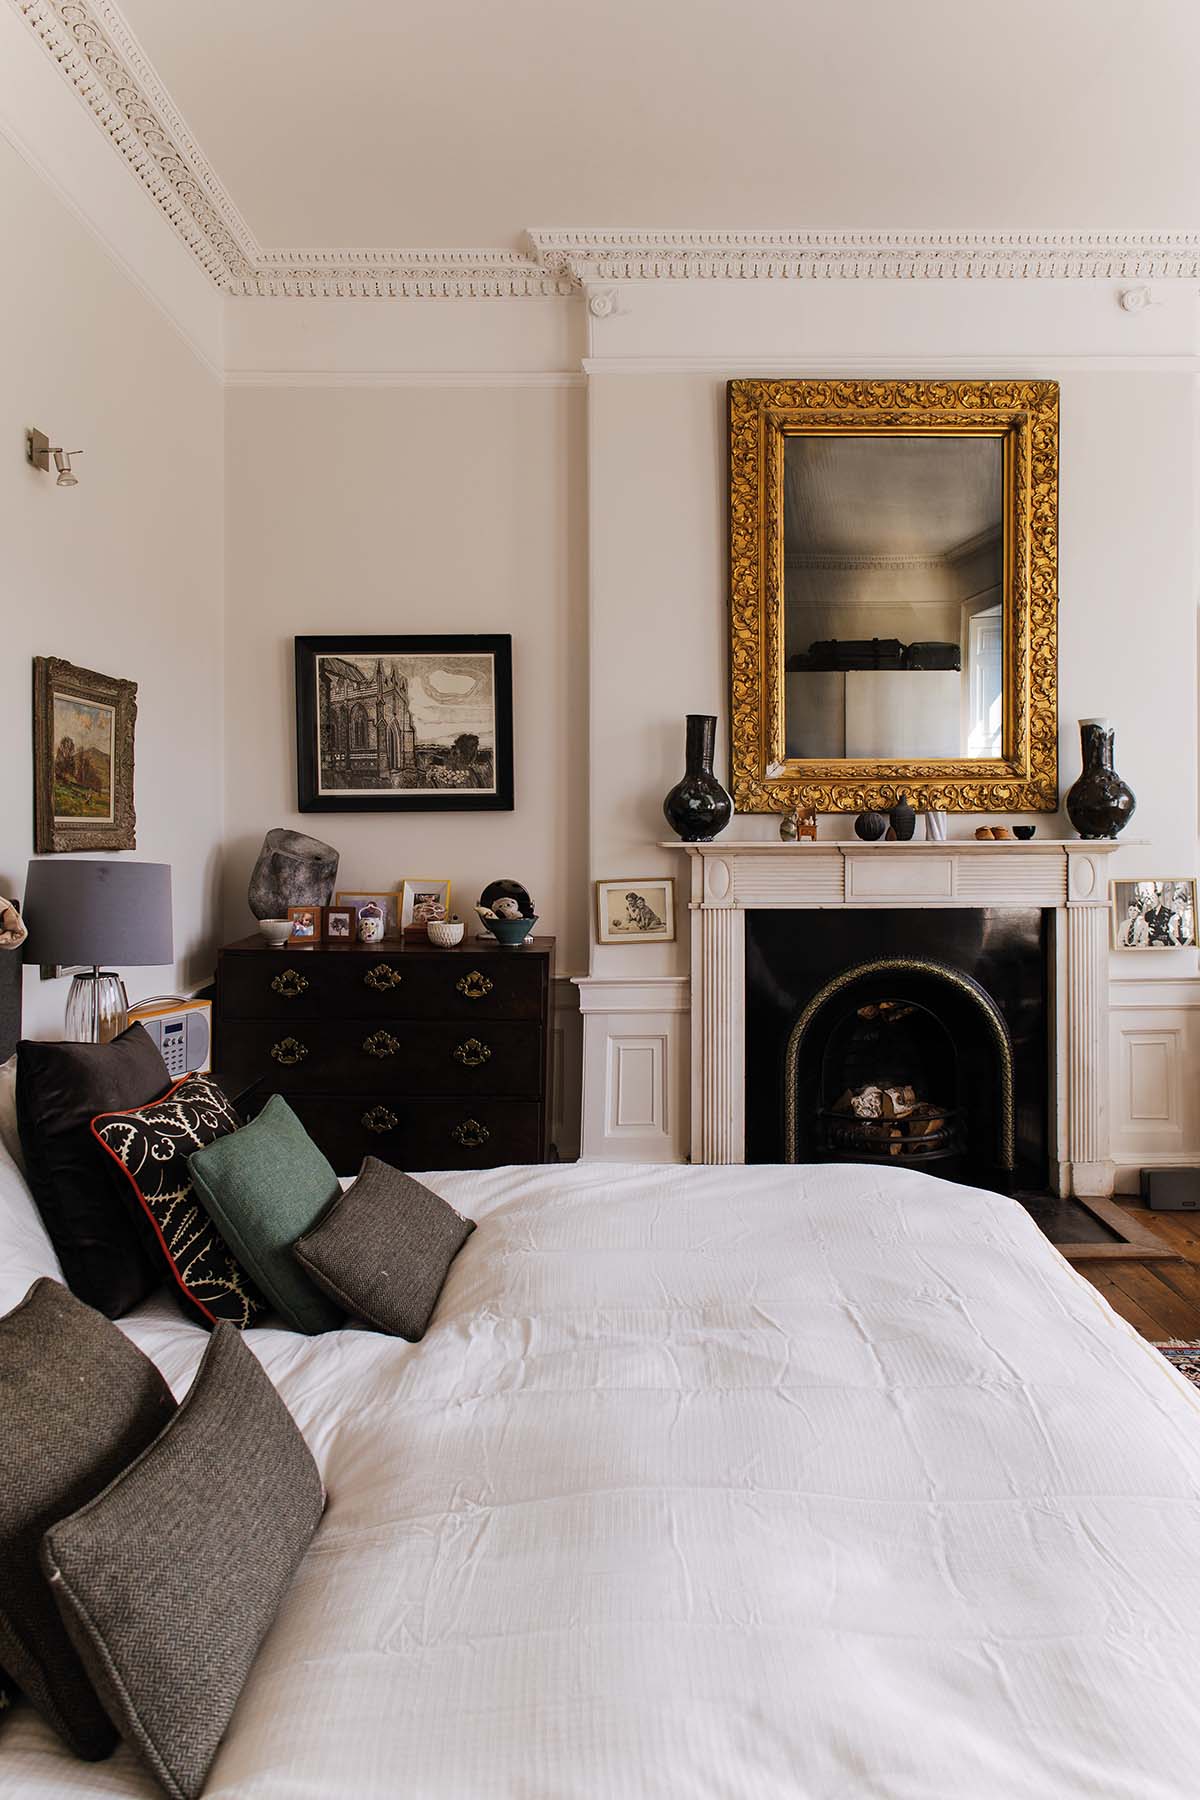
x,y
39,450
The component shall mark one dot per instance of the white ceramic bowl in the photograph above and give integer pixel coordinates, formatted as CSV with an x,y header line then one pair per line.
x,y
445,933
276,931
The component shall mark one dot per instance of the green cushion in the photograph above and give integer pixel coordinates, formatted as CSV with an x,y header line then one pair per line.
x,y
263,1187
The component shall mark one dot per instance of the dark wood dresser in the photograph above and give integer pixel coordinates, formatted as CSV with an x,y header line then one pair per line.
x,y
429,1059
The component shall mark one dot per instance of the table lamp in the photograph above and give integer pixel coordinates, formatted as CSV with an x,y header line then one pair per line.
x,y
90,911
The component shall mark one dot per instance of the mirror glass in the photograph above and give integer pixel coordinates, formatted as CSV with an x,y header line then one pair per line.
x,y
894,596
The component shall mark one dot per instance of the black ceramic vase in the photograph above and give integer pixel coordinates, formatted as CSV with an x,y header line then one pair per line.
x,y
698,807
1100,804
903,819
871,826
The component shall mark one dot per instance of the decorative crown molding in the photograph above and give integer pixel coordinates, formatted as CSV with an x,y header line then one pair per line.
x,y
604,255
102,60
100,57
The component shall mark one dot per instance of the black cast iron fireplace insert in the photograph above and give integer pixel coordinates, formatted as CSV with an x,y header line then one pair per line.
x,y
908,1037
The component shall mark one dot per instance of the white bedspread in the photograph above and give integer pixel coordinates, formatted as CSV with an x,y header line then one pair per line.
x,y
812,1483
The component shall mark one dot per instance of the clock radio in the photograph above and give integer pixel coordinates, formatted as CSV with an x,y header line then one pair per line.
x,y
182,1030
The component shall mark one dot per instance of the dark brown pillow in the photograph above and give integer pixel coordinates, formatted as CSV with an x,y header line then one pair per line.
x,y
60,1089
168,1581
383,1249
147,1148
80,1402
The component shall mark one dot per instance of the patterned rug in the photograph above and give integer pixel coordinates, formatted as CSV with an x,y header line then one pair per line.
x,y
1186,1358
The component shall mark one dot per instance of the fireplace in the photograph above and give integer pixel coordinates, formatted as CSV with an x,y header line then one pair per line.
x,y
914,1038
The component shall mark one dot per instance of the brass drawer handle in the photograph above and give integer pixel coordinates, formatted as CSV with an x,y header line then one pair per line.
x,y
470,1134
380,1119
472,1054
382,977
475,986
289,983
381,1043
289,1051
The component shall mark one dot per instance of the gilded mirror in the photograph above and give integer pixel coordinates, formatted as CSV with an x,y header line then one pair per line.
x,y
894,594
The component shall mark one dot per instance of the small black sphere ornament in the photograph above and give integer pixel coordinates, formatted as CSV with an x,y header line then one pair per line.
x,y
871,825
1100,804
698,807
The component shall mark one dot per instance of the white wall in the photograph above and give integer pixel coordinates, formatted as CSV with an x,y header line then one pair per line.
x,y
413,508
122,573
657,369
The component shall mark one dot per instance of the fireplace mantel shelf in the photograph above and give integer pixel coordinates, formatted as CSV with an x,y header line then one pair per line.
x,y
725,847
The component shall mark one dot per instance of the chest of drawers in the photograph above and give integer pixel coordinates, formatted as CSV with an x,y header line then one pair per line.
x,y
430,1059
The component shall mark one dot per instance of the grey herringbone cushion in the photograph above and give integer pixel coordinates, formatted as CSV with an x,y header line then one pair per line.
x,y
384,1249
79,1403
169,1580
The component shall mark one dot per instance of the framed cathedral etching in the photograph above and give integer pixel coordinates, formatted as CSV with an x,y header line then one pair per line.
x,y
893,594
404,724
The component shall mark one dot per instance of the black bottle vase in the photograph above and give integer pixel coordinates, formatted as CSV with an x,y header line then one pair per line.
x,y
1100,804
698,807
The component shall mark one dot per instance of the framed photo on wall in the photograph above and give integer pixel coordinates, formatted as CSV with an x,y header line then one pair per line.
x,y
1155,914
636,910
404,724
83,725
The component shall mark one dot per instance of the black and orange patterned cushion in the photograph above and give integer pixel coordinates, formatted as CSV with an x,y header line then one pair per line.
x,y
150,1146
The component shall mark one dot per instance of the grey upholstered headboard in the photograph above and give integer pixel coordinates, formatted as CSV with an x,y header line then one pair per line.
x,y
11,968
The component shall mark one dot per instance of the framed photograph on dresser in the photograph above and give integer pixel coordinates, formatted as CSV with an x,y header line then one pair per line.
x,y
404,724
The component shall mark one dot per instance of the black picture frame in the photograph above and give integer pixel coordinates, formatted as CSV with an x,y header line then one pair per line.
x,y
352,749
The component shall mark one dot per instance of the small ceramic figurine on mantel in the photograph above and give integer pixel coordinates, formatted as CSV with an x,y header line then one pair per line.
x,y
795,825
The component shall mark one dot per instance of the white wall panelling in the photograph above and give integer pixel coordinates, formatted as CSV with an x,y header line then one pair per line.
x,y
635,1053
1154,1035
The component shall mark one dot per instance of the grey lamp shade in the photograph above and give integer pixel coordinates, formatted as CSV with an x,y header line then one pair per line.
x,y
94,911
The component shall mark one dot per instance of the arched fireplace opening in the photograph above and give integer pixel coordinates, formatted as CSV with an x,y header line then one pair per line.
x,y
905,1061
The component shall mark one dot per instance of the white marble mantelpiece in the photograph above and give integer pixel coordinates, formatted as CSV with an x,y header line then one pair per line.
x,y
1066,876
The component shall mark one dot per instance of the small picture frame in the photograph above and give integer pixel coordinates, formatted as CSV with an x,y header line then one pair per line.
x,y
1154,913
636,910
307,924
341,924
422,900
389,904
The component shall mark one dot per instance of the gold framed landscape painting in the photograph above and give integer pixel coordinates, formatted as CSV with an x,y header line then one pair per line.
x,y
83,729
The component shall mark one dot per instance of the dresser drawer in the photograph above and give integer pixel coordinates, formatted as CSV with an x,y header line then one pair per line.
x,y
366,1056
422,1134
310,984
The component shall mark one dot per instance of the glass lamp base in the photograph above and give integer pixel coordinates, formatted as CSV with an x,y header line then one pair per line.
x,y
97,1008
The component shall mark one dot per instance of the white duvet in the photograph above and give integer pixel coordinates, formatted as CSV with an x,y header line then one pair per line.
x,y
811,1483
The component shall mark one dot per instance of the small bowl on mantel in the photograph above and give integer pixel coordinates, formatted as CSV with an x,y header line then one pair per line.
x,y
275,931
1024,832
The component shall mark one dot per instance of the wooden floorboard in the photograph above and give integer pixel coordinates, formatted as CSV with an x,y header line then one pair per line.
x,y
1159,1299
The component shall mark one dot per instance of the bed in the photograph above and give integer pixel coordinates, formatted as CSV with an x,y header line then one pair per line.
x,y
815,1481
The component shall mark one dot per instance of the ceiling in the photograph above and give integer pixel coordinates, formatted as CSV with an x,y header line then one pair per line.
x,y
455,123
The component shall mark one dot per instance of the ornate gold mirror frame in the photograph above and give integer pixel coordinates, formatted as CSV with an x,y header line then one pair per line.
x,y
1024,414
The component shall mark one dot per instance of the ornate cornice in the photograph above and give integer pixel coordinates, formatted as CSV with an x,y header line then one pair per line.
x,y
99,56
600,256
102,60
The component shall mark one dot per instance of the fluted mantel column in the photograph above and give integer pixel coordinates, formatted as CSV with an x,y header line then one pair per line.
x,y
1084,1067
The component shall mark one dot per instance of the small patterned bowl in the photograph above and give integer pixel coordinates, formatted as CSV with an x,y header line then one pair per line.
x,y
276,931
445,933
